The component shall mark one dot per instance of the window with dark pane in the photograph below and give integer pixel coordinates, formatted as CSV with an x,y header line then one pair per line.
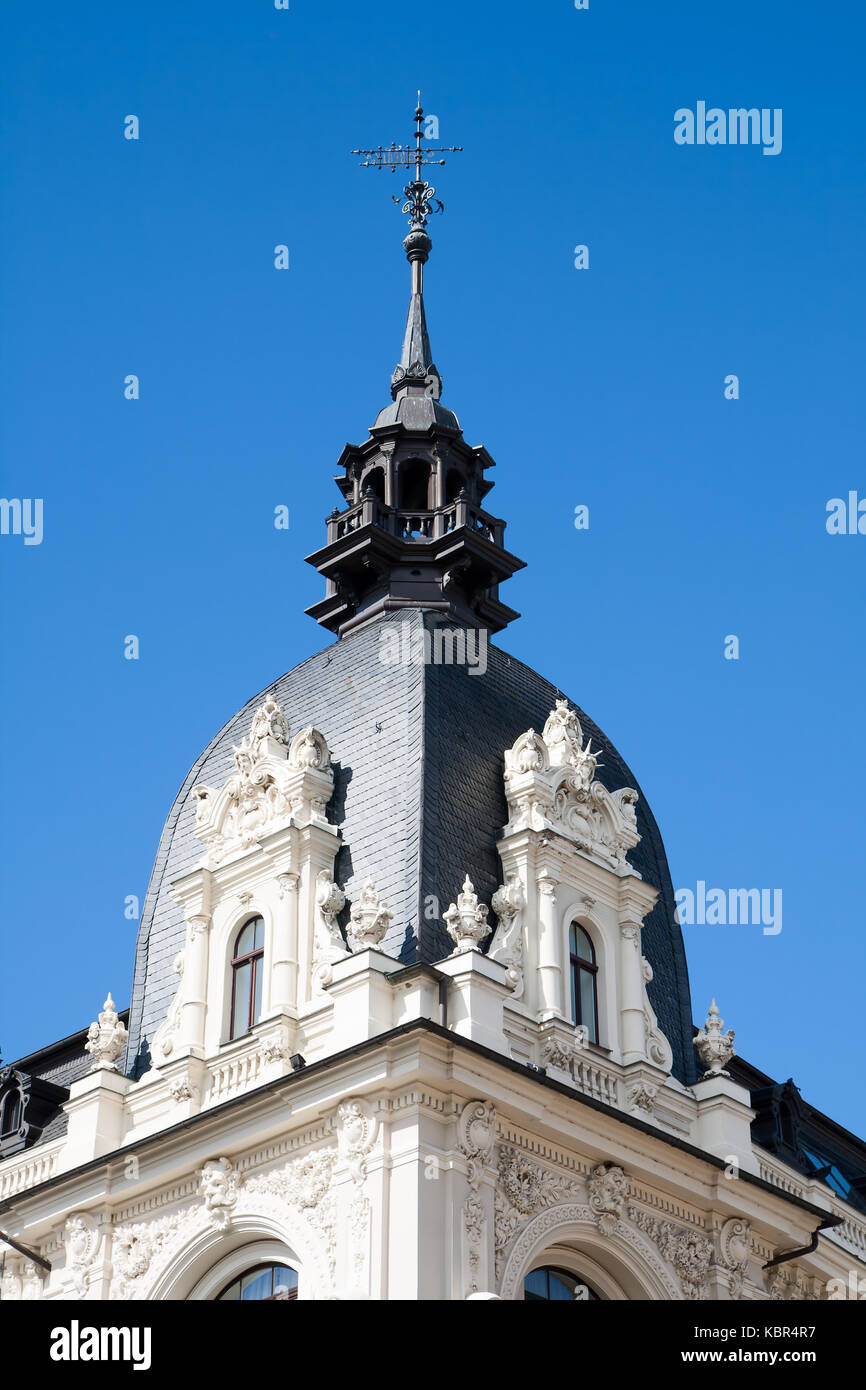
x,y
557,1286
263,1284
247,968
584,973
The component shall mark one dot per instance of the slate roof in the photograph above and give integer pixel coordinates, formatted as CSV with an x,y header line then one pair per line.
x,y
418,758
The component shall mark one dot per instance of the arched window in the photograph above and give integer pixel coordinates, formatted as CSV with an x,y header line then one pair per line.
x,y
375,481
557,1286
10,1112
264,1284
414,484
584,972
247,964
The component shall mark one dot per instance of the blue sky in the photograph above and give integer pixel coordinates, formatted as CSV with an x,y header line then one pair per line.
x,y
602,387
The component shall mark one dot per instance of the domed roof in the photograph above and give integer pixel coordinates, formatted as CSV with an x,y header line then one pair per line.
x,y
417,750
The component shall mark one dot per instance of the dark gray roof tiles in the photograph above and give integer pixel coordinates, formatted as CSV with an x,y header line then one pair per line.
x,y
418,759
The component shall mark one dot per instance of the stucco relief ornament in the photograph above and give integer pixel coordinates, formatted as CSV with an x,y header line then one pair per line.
x,y
508,903
167,1032
551,784
12,1283
356,1134
525,1188
275,1048
658,1048
476,1132
218,1185
687,1250
273,781
714,1047
106,1038
131,1254
642,1096
735,1249
690,1254
181,1089
466,920
561,1053
369,919
608,1190
328,943
80,1239
269,727
309,750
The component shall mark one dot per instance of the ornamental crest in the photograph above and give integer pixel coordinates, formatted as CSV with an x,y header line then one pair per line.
x,y
551,784
275,782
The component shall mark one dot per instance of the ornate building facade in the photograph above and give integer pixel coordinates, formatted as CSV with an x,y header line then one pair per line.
x,y
410,1015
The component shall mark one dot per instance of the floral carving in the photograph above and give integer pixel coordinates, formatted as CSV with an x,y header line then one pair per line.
x,y
608,1189
476,1131
304,1182
714,1047
106,1038
369,919
466,920
523,1189
688,1251
642,1096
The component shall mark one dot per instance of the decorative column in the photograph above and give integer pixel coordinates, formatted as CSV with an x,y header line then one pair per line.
x,y
284,983
193,893
636,899
633,1032
194,1008
550,966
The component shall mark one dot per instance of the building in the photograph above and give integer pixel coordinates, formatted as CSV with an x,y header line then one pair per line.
x,y
410,1015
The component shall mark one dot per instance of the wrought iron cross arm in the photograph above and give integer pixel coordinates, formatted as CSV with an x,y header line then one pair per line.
x,y
403,156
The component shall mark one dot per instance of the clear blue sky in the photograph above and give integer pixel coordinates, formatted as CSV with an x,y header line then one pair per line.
x,y
602,387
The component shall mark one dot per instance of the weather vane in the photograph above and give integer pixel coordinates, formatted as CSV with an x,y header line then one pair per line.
x,y
418,194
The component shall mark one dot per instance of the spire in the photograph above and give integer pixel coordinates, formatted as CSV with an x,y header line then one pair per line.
x,y
414,532
416,373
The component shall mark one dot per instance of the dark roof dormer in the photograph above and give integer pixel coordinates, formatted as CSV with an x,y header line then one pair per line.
x,y
27,1104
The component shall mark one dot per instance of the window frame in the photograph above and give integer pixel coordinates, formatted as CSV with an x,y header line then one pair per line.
x,y
255,959
576,964
273,1266
561,1273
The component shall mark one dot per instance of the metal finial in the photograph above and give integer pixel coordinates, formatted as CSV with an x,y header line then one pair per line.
x,y
418,196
